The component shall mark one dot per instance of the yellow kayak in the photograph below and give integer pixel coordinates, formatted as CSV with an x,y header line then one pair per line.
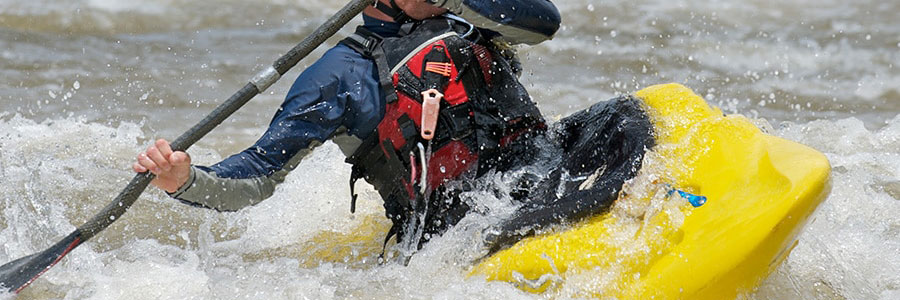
x,y
760,191
653,244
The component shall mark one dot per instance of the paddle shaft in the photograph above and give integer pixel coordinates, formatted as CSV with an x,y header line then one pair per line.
x,y
16,275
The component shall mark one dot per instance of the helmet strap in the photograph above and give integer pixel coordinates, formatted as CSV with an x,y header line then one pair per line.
x,y
394,12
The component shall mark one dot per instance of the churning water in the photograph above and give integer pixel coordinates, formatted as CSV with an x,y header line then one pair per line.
x,y
86,84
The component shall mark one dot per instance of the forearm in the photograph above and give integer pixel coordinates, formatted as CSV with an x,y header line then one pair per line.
x,y
208,189
223,194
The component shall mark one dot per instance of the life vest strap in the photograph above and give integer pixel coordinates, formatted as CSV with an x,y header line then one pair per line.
x,y
363,43
368,44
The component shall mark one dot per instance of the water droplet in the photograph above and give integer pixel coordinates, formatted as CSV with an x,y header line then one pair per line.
x,y
52,94
76,85
443,170
590,7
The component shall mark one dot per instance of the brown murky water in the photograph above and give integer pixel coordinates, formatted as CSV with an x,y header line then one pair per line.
x,y
84,84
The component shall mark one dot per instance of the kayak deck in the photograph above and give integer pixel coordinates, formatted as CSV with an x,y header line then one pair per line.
x,y
761,190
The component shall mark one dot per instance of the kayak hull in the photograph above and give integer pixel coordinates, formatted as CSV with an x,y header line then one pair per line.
x,y
761,190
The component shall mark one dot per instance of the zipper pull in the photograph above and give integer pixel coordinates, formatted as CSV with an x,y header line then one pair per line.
x,y
431,106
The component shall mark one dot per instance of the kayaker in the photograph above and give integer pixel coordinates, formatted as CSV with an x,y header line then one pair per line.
x,y
448,60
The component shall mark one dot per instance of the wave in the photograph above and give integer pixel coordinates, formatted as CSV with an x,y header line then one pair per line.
x,y
106,17
849,249
57,173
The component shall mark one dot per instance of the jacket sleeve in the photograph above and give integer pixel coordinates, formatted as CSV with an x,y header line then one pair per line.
x,y
517,21
329,98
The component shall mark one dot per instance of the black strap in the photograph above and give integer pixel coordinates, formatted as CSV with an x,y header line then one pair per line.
x,y
391,233
363,41
368,44
355,174
394,12
385,80
358,170
409,84
456,122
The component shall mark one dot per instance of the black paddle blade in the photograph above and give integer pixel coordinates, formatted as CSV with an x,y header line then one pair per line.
x,y
16,275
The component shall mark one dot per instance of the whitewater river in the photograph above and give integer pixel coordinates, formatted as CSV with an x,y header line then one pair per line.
x,y
86,84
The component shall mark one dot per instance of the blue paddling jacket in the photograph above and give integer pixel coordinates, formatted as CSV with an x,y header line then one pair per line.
x,y
339,98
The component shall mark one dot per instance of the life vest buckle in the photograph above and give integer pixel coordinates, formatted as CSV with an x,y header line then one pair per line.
x,y
431,105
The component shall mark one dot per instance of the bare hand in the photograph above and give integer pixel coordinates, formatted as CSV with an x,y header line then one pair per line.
x,y
172,168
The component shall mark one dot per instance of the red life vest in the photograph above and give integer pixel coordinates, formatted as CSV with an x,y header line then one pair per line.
x,y
483,109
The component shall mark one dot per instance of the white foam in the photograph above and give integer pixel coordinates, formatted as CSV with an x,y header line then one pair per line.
x,y
850,249
145,6
165,250
53,169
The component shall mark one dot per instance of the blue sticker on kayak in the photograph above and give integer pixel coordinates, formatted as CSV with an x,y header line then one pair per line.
x,y
695,200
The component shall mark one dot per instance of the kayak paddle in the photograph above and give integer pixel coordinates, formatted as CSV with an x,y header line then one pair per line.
x,y
18,274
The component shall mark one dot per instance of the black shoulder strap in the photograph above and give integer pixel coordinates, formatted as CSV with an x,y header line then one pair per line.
x,y
363,41
368,44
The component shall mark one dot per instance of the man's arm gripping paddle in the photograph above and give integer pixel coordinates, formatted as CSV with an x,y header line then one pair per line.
x,y
18,274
